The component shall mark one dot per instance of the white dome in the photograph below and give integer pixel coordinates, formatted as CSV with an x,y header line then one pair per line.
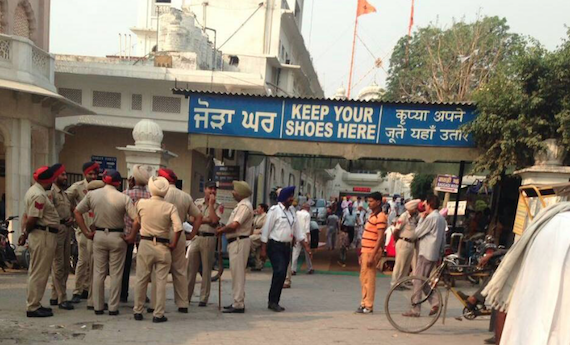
x,y
340,93
148,133
371,92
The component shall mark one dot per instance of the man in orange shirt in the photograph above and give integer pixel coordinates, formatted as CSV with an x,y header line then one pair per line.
x,y
371,252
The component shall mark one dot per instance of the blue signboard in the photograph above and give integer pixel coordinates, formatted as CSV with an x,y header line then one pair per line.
x,y
330,120
105,162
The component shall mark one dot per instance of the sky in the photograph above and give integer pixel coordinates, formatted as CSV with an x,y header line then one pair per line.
x,y
92,28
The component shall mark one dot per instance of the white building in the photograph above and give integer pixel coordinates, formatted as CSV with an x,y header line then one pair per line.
x,y
29,103
260,51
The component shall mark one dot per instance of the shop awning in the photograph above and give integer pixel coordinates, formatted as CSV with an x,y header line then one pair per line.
x,y
60,105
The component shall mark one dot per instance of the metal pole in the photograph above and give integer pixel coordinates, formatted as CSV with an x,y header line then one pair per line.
x,y
213,57
265,180
458,195
220,269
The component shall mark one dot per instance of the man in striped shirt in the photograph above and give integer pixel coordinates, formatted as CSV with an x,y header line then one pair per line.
x,y
371,252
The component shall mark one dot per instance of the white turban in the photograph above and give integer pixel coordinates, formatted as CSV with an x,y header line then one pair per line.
x,y
140,173
412,204
158,186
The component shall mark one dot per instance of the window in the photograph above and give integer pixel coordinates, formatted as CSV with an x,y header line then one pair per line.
x,y
74,95
136,102
165,104
22,25
282,177
106,99
3,15
272,176
291,180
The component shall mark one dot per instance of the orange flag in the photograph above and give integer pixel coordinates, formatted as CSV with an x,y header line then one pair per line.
x,y
364,8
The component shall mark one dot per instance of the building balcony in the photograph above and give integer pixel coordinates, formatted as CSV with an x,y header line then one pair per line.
x,y
22,62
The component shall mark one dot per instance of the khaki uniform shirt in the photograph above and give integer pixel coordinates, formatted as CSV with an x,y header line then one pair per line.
x,y
203,206
183,202
407,225
61,202
77,191
258,222
243,214
157,217
109,206
39,205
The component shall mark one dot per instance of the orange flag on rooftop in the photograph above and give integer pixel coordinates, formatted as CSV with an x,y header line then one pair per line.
x,y
364,8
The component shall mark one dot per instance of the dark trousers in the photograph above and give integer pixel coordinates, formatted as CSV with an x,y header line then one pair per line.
x,y
127,272
279,254
315,239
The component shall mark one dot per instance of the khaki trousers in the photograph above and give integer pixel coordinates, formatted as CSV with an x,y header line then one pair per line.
x,y
256,250
90,273
108,255
403,264
367,282
60,266
42,246
152,259
82,271
238,251
179,270
202,251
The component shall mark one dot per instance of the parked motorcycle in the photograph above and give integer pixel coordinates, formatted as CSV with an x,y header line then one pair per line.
x,y
8,258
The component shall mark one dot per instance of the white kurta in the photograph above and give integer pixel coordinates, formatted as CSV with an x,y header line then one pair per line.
x,y
539,311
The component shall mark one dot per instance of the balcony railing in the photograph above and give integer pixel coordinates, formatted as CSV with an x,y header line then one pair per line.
x,y
21,61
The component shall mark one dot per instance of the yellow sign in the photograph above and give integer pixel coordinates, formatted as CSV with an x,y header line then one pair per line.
x,y
520,218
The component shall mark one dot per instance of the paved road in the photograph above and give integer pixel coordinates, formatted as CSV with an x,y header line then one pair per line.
x,y
319,311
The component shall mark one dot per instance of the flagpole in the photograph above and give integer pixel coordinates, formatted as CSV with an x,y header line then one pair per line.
x,y
352,58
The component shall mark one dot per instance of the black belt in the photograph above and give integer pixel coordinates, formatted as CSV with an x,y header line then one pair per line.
x,y
408,240
47,228
206,234
109,230
157,239
230,240
63,221
279,242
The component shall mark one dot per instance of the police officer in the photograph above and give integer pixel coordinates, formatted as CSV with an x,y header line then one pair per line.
x,y
156,219
76,192
89,219
237,233
60,267
109,207
280,227
41,228
406,243
203,246
186,208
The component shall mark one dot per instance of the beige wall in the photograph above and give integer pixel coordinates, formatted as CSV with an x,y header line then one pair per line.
x,y
38,13
103,141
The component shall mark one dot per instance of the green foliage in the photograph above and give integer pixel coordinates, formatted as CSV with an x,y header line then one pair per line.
x,y
448,65
422,186
524,103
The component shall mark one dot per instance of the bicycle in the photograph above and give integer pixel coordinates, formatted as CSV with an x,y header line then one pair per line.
x,y
401,298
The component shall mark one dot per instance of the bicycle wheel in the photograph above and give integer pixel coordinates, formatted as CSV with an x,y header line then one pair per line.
x,y
401,299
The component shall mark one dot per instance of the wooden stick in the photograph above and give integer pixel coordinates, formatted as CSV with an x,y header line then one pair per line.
x,y
220,267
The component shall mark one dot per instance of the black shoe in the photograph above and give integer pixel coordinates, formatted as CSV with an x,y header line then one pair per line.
x,y
233,310
105,307
45,309
76,299
66,305
84,294
113,313
293,273
146,300
99,312
491,340
39,313
150,310
311,271
229,307
138,317
275,307
183,310
203,304
159,319
53,302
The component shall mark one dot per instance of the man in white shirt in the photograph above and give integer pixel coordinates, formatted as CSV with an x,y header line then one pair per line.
x,y
304,218
430,233
280,227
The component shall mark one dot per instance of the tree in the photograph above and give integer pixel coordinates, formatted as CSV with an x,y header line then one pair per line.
x,y
422,186
448,65
524,103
